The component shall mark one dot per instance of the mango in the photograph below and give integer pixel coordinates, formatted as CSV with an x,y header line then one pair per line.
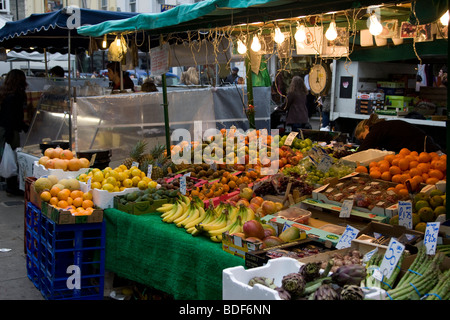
x,y
290,234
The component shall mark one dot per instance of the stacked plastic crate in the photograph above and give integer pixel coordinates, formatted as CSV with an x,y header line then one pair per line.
x,y
66,260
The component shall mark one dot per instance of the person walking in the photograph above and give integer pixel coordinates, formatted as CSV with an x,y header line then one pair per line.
x,y
295,105
13,100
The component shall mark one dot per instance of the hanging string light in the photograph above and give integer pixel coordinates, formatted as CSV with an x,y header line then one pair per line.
x,y
300,34
444,19
279,36
117,41
241,48
375,27
331,33
256,45
104,42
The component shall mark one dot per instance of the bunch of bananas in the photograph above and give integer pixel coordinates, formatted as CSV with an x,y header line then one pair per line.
x,y
211,222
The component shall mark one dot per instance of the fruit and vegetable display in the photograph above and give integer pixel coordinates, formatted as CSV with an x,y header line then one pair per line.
x,y
297,144
64,159
64,194
149,194
277,185
426,207
309,283
296,253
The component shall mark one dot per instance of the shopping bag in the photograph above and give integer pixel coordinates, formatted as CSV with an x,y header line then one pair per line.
x,y
8,165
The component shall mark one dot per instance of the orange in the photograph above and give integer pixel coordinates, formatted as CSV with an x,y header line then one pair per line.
x,y
396,178
400,186
77,202
87,204
393,170
384,167
69,201
403,164
425,176
66,154
431,180
425,167
375,174
46,196
54,201
418,179
54,191
405,151
404,177
413,164
434,173
392,189
403,192
62,204
410,158
415,172
389,157
424,157
373,164
63,194
386,176
76,194
87,196
440,165
395,161
383,162
74,164
84,162
361,169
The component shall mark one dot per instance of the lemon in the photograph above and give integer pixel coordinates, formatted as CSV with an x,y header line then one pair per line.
x,y
152,184
142,185
96,185
97,176
121,176
108,187
111,180
135,172
135,180
146,179
127,183
83,177
116,189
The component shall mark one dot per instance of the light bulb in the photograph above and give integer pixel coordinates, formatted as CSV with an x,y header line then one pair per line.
x,y
279,36
444,19
256,45
241,48
331,33
104,42
118,41
375,27
300,34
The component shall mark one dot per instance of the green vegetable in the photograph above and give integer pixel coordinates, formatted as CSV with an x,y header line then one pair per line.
x,y
442,289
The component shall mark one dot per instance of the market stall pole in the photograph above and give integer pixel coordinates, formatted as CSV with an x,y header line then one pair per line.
x,y
166,114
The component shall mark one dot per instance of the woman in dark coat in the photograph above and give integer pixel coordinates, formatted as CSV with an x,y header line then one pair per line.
x,y
13,100
297,112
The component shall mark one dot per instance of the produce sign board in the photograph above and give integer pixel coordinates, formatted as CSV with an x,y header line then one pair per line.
x,y
337,208
61,216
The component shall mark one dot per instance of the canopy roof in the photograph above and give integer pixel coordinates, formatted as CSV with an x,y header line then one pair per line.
x,y
210,14
50,30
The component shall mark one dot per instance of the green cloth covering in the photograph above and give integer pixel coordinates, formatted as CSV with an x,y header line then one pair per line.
x,y
161,255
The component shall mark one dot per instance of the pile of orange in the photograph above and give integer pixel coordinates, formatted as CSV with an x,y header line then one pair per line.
x,y
410,167
75,201
64,159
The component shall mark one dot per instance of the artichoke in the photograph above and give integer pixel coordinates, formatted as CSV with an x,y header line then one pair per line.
x,y
325,292
352,292
349,274
310,271
294,283
262,280
284,294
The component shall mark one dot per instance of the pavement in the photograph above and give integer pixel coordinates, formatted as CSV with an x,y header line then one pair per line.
x,y
14,282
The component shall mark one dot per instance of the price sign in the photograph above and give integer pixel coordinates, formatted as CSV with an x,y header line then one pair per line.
x,y
149,171
183,184
431,235
346,208
135,164
391,257
89,183
369,255
405,214
325,163
290,138
345,240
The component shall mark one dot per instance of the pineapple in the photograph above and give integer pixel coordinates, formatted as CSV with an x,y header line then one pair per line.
x,y
154,154
136,153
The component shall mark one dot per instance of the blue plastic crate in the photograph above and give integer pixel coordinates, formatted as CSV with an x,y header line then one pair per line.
x,y
62,246
32,242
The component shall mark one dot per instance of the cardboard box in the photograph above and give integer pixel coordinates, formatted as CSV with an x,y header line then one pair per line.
x,y
364,158
260,257
237,246
138,208
61,216
31,194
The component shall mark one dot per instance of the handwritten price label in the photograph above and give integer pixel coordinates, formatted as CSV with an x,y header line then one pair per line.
x,y
431,235
183,184
290,138
149,171
405,214
345,240
346,208
391,257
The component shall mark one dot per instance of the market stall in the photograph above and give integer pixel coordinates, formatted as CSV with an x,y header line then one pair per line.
x,y
277,217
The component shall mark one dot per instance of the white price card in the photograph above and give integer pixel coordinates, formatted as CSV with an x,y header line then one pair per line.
x,y
183,184
346,208
431,235
391,257
345,240
135,164
290,138
369,255
405,214
89,183
149,171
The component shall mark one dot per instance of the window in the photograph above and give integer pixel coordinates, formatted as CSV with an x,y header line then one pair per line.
x,y
3,5
104,4
132,5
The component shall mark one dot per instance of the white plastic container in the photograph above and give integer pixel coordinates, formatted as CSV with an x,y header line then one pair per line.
x,y
103,198
39,171
235,280
365,157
